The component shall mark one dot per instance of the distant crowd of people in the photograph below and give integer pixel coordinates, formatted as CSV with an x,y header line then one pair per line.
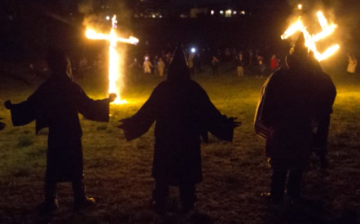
x,y
244,62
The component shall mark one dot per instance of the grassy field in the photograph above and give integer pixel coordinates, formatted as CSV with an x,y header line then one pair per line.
x,y
117,172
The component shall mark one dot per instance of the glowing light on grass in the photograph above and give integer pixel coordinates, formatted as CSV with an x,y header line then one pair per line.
x,y
115,72
310,40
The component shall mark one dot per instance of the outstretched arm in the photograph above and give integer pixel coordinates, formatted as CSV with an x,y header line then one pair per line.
x,y
140,123
22,113
96,110
212,120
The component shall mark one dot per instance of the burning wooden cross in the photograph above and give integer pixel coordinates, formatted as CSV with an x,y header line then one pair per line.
x,y
115,76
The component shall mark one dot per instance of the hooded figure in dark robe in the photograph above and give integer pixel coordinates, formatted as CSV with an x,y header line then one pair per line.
x,y
285,116
182,110
56,104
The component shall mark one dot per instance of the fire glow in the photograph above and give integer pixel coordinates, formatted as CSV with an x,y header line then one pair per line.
x,y
115,73
310,40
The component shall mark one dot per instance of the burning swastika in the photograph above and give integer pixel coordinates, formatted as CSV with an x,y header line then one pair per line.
x,y
310,40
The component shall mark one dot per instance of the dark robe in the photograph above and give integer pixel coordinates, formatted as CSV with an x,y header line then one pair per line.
x,y
182,110
288,111
56,104
327,91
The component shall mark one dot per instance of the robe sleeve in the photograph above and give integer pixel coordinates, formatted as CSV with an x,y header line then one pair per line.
x,y
27,111
269,101
22,113
213,121
140,123
95,110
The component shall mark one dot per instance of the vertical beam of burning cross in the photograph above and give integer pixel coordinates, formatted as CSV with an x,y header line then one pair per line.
x,y
114,70
310,40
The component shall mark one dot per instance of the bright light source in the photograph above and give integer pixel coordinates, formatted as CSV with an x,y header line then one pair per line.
x,y
228,13
193,50
107,17
234,12
146,58
242,12
115,58
212,12
312,39
300,6
153,16
221,12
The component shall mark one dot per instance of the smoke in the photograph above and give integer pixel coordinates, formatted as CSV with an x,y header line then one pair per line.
x,y
86,7
343,13
91,20
309,10
95,13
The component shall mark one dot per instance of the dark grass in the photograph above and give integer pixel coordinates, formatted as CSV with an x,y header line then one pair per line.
x,y
118,173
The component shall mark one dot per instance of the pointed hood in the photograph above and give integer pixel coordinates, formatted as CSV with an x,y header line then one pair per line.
x,y
300,50
298,56
178,69
314,64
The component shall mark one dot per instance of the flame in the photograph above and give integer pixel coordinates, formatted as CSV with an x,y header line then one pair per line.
x,y
310,40
293,29
115,61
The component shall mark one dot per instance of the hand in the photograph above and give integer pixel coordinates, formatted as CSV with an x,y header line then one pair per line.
x,y
124,124
234,122
2,125
8,104
112,97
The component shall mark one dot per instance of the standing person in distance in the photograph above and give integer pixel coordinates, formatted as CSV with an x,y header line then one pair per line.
x,y
161,67
352,64
215,65
56,104
273,63
240,65
191,63
147,65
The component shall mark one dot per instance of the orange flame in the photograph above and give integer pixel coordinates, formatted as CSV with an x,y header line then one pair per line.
x,y
310,40
115,73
